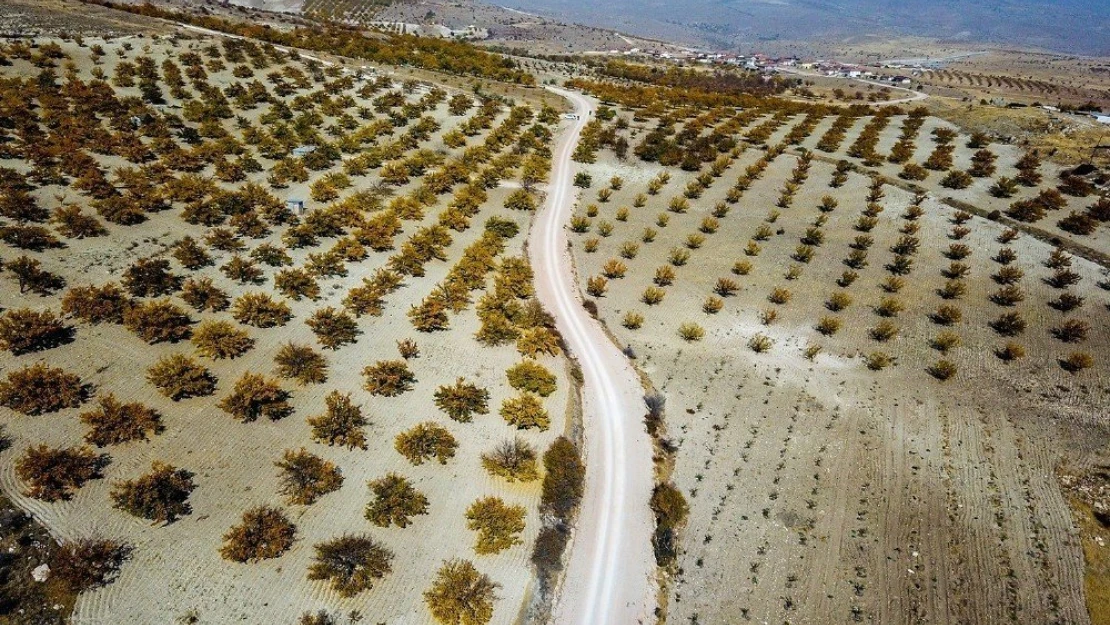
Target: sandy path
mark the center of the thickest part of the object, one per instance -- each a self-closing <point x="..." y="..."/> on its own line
<point x="609" y="576"/>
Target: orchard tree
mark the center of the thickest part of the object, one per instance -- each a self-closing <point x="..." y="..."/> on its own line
<point x="256" y="396"/>
<point x="461" y="595"/>
<point x="39" y="389"/>
<point x="179" y="377"/>
<point x="301" y="363"/>
<point x="352" y="563"/>
<point x="264" y="533"/>
<point x="306" y="477"/>
<point x="161" y="496"/>
<point x="24" y="330"/>
<point x="96" y="304"/>
<point x="53" y="474"/>
<point x="333" y="328"/>
<point x="395" y="501"/>
<point x="462" y="400"/>
<point x="498" y="525"/>
<point x="113" y="422"/>
<point x="158" y="321"/>
<point x="343" y="423"/>
<point x="426" y="441"/>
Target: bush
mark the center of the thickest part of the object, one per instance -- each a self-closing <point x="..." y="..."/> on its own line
<point x="242" y="270"/>
<point x="150" y="277"/>
<point x="191" y="254"/>
<point x="498" y="525"/>
<point x="653" y="295"/>
<point x="942" y="370"/>
<point x="425" y="441"/>
<point x="711" y="306"/>
<point x="221" y="339"/>
<point x="264" y="533"/>
<point x="1077" y="361"/>
<point x="160" y="496"/>
<point x="342" y="424"/>
<point x="32" y="277"/>
<point x="670" y="510"/>
<point x="306" y="477"/>
<point x="178" y="377"/>
<point x="87" y="563"/>
<point x="202" y="294"/>
<point x="1072" y="331"/>
<point x="38" y="389"/>
<point x="1010" y="351"/>
<point x="462" y="400"/>
<point x="514" y="460"/>
<point x="113" y="422"/>
<point x="96" y="304"/>
<point x="760" y="343"/>
<point x="877" y="361"/>
<point x="946" y="315"/>
<point x="532" y="377"/>
<point x="158" y="321"/>
<point x="24" y="330"/>
<point x="255" y="396"/>
<point x="828" y="325"/>
<point x="333" y="328"/>
<point x="301" y="363"/>
<point x="889" y="307"/>
<point x="537" y="341"/>
<point x="460" y="595"/>
<point x="53" y="474"/>
<point x="388" y="378"/>
<point x="297" y="283"/>
<point x="260" y="310"/>
<point x="633" y="320"/>
<point x="395" y="502"/>
<point x="564" y="479"/>
<point x="884" y="331"/>
<point x="1009" y="324"/>
<point x="525" y="411"/>
<point x="945" y="341"/>
<point x="780" y="295"/>
<point x="352" y="564"/>
<point x="956" y="180"/>
<point x="691" y="332"/>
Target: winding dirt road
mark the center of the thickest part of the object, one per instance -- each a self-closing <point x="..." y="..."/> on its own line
<point x="610" y="575"/>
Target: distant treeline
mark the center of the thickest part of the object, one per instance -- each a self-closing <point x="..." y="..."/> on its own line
<point x="445" y="55"/>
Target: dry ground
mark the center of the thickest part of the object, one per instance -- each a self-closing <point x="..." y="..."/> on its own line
<point x="822" y="491"/>
<point x="176" y="570"/>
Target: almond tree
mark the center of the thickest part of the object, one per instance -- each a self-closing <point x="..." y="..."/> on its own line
<point x="353" y="563"/>
<point x="395" y="501"/>
<point x="53" y="474"/>
<point x="160" y="496"/>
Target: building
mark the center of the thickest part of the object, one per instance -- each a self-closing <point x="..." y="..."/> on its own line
<point x="295" y="206"/>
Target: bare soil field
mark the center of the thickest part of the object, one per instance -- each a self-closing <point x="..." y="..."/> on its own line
<point x="405" y="223"/>
<point x="860" y="433"/>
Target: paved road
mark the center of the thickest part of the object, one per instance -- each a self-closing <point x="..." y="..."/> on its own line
<point x="610" y="573"/>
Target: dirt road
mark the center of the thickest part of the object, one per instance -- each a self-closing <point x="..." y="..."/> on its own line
<point x="609" y="577"/>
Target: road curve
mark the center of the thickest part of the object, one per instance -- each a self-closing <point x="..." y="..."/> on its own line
<point x="610" y="573"/>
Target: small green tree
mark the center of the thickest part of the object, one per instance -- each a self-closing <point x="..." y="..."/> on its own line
<point x="533" y="377"/>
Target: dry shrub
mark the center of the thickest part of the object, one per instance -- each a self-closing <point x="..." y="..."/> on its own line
<point x="264" y="533"/>
<point x="88" y="563"/>
<point x="40" y="389"/>
<point x="564" y="480"/>
<point x="388" y="378"/>
<point x="113" y="422"/>
<point x="942" y="370"/>
<point x="426" y="441"/>
<point x="96" y="304"/>
<point x="498" y="525"/>
<point x="691" y="332"/>
<point x="461" y="595"/>
<point x="306" y="477"/>
<point x="828" y="325"/>
<point x="202" y="294"/>
<point x="670" y="510"/>
<point x="1010" y="351"/>
<point x="514" y="460"/>
<point x="633" y="320"/>
<point x="24" y="330"/>
<point x="53" y="474"/>
<point x="301" y="363"/>
<point x="462" y="400"/>
<point x="261" y="311"/>
<point x="333" y="328"/>
<point x="150" y="277"/>
<point x="160" y="496"/>
<point x="178" y="377"/>
<point x="395" y="501"/>
<point x="158" y="321"/>
<point x="351" y="563"/>
<point x="1077" y="361"/>
<point x="525" y="411"/>
<point x="877" y="361"/>
<point x="255" y="396"/>
<point x="534" y="342"/>
<point x="342" y="424"/>
<point x="220" y="339"/>
<point x="531" y="377"/>
<point x="760" y="343"/>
